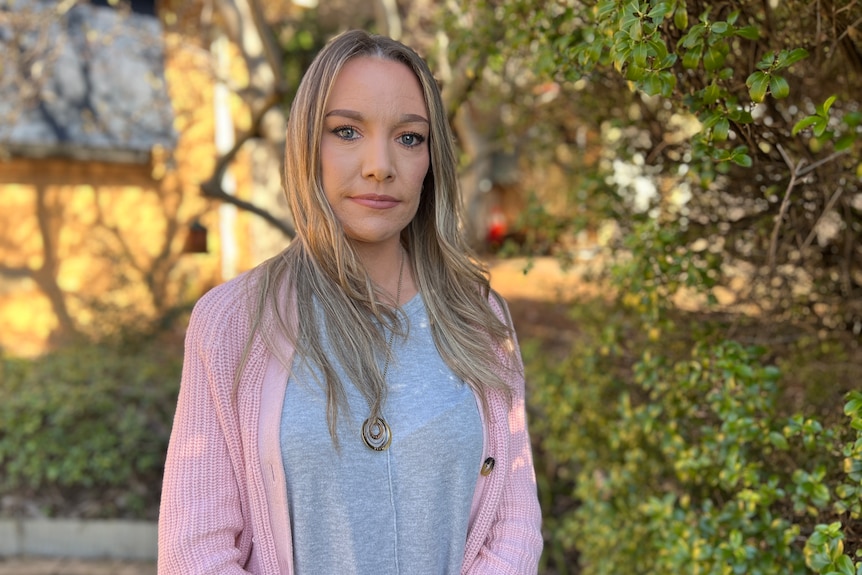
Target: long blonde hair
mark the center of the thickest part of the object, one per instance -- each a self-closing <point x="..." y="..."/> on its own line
<point x="321" y="264"/>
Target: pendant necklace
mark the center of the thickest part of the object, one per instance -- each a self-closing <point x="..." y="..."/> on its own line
<point x="377" y="434"/>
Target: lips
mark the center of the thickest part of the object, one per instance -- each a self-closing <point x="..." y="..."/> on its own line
<point x="375" y="201"/>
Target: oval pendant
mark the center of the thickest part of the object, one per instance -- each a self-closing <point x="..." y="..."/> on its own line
<point x="376" y="434"/>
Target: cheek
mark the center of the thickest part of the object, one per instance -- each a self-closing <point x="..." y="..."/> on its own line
<point x="420" y="173"/>
<point x="333" y="171"/>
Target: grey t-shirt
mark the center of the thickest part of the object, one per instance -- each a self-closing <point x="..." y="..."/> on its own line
<point x="400" y="511"/>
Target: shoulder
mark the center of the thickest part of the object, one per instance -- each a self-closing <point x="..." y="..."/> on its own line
<point x="500" y="307"/>
<point x="225" y="301"/>
<point x="223" y="314"/>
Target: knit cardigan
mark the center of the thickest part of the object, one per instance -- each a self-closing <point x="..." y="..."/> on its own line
<point x="224" y="495"/>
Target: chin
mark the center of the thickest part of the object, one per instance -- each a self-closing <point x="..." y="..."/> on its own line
<point x="371" y="238"/>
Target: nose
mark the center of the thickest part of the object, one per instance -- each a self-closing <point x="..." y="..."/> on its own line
<point x="377" y="161"/>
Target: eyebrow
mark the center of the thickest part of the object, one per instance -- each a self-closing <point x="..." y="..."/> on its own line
<point x="354" y="115"/>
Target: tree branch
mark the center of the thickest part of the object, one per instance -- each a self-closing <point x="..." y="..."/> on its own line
<point x="212" y="188"/>
<point x="782" y="211"/>
<point x="219" y="194"/>
<point x="796" y="171"/>
<point x="825" y="160"/>
<point x="825" y="211"/>
<point x="14" y="273"/>
<point x="271" y="49"/>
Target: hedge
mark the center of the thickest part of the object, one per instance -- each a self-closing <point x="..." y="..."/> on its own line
<point x="84" y="430"/>
<point x="670" y="456"/>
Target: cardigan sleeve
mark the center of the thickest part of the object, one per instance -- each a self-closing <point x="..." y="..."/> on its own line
<point x="201" y="523"/>
<point x="514" y="542"/>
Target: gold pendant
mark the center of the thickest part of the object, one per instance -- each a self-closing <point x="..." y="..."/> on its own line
<point x="376" y="434"/>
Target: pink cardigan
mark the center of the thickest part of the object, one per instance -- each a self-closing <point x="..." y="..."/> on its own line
<point x="224" y="497"/>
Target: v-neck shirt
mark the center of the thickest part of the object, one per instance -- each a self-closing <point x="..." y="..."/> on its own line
<point x="401" y="511"/>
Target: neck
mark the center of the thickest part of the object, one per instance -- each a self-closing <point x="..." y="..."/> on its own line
<point x="384" y="267"/>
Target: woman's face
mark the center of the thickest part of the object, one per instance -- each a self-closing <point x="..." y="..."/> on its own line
<point x="374" y="149"/>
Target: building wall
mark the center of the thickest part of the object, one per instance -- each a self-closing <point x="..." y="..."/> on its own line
<point x="93" y="247"/>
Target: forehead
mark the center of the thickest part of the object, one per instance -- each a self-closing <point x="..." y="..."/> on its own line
<point x="370" y="80"/>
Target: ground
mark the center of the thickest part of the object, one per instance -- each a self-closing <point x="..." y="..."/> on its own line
<point x="37" y="566"/>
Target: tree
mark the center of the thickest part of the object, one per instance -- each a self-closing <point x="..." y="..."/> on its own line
<point x="730" y="163"/>
<point x="747" y="116"/>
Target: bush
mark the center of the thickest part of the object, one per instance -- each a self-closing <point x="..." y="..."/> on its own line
<point x="666" y="456"/>
<point x="87" y="425"/>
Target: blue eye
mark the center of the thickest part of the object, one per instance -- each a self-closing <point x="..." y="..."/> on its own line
<point x="345" y="132"/>
<point x="411" y="140"/>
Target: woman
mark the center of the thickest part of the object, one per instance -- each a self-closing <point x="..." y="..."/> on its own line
<point x="356" y="404"/>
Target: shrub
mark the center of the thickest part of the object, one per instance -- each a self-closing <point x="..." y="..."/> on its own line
<point x="666" y="456"/>
<point x="88" y="421"/>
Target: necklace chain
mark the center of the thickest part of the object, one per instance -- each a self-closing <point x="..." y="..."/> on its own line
<point x="377" y="434"/>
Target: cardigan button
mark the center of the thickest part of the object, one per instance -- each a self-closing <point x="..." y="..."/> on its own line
<point x="487" y="467"/>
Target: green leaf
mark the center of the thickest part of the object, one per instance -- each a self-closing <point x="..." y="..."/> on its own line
<point x="691" y="58"/>
<point x="817" y="539"/>
<point x="667" y="61"/>
<point x="733" y="17"/>
<point x="758" y="83"/>
<point x="680" y="17"/>
<point x="819" y="494"/>
<point x="743" y="160"/>
<point x="820" y="125"/>
<point x="660" y="10"/>
<point x="778" y="440"/>
<point x="779" y="87"/>
<point x="659" y="49"/>
<point x="845" y="491"/>
<point x="694" y="36"/>
<point x="719" y="28"/>
<point x="668" y="83"/>
<point x="635" y="73"/>
<point x="766" y="62"/>
<point x="719" y="132"/>
<point x="594" y="53"/>
<point x="823" y="109"/>
<point x="818" y="561"/>
<point x="748" y="32"/>
<point x="710" y="119"/>
<point x="740" y="116"/>
<point x="845" y="565"/>
<point x="639" y="54"/>
<point x="711" y="93"/>
<point x="803" y="123"/>
<point x="788" y="58"/>
<point x="604" y="8"/>
<point x="636" y="30"/>
<point x="714" y="58"/>
<point x="652" y="84"/>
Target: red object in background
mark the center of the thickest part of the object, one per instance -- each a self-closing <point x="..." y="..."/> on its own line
<point x="498" y="227"/>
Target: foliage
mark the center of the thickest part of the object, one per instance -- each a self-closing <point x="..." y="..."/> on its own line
<point x="825" y="549"/>
<point x="678" y="456"/>
<point x="729" y="142"/>
<point x="88" y="419"/>
<point x="745" y="117"/>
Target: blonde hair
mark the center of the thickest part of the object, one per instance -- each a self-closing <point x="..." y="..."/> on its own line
<point x="321" y="264"/>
